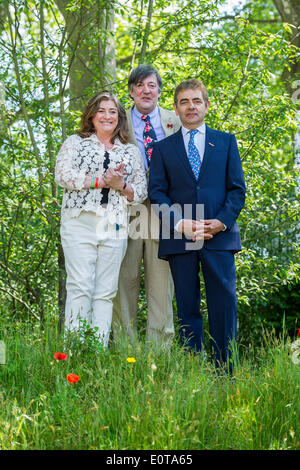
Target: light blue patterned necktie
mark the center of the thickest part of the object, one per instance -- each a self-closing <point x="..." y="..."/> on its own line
<point x="193" y="154"/>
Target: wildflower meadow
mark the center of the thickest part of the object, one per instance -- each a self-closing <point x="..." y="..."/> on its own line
<point x="137" y="396"/>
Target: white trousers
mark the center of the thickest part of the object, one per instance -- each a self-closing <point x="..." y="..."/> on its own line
<point x="93" y="256"/>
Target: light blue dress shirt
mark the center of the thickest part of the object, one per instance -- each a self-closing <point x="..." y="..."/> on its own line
<point x="139" y="125"/>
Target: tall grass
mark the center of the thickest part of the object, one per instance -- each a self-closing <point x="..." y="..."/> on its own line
<point x="167" y="399"/>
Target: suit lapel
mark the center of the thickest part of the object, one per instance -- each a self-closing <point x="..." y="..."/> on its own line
<point x="208" y="150"/>
<point x="182" y="155"/>
<point x="179" y="147"/>
<point x="167" y="121"/>
<point x="132" y="137"/>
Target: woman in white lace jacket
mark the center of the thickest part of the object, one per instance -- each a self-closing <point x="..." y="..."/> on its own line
<point x="101" y="174"/>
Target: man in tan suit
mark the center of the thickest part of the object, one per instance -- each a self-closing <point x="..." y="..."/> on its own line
<point x="147" y="122"/>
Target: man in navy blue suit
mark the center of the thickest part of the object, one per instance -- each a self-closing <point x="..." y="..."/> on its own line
<point x="197" y="186"/>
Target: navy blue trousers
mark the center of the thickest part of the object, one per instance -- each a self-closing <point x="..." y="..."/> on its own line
<point x="218" y="269"/>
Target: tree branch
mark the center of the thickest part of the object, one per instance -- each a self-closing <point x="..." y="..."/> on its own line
<point x="146" y="31"/>
<point x="18" y="299"/>
<point x="20" y="88"/>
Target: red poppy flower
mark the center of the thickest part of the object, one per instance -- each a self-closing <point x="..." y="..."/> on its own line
<point x="60" y="356"/>
<point x="298" y="334"/>
<point x="72" y="378"/>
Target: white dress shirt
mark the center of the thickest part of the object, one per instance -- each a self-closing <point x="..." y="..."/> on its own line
<point x="199" y="140"/>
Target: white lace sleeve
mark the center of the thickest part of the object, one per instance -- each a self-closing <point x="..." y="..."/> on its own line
<point x="138" y="180"/>
<point x="65" y="174"/>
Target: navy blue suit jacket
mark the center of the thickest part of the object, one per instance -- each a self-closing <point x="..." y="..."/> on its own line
<point x="220" y="188"/>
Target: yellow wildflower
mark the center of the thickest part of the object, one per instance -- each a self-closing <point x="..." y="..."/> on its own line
<point x="131" y="359"/>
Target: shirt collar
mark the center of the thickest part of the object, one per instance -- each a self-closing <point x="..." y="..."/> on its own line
<point x="201" y="129"/>
<point x="153" y="114"/>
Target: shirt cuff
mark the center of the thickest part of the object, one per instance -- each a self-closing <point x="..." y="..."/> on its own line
<point x="177" y="225"/>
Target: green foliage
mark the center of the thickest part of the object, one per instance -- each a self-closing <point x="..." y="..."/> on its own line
<point x="241" y="62"/>
<point x="167" y="401"/>
<point x="279" y="308"/>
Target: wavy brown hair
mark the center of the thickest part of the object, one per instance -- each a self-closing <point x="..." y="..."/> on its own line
<point x="87" y="127"/>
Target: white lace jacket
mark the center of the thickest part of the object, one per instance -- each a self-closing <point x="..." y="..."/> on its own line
<point x="79" y="158"/>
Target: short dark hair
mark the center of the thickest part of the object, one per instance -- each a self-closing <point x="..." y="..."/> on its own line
<point x="192" y="83"/>
<point x="91" y="109"/>
<point x="140" y="73"/>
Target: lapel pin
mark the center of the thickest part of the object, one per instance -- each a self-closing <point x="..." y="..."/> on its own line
<point x="209" y="143"/>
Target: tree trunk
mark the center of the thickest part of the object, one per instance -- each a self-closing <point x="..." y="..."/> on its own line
<point x="289" y="11"/>
<point x="2" y="110"/>
<point x="92" y="63"/>
<point x="3" y="10"/>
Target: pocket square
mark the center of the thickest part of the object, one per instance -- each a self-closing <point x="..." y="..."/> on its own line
<point x="209" y="143"/>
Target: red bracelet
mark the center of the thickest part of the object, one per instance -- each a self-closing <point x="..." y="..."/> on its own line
<point x="97" y="183"/>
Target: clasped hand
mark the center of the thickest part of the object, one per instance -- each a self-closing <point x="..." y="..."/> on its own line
<point x="201" y="229"/>
<point x="113" y="177"/>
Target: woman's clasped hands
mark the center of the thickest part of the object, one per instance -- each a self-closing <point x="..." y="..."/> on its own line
<point x="114" y="177"/>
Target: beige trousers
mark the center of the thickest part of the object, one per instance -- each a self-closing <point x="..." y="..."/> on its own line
<point x="158" y="284"/>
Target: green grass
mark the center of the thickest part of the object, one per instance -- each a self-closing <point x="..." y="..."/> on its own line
<point x="165" y="400"/>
